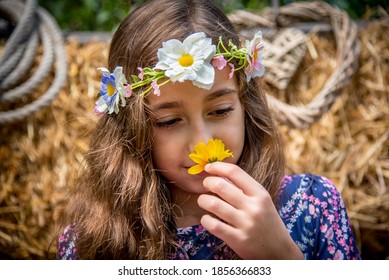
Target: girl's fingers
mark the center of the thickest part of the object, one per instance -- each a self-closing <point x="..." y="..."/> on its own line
<point x="225" y="189"/>
<point x="221" y="230"/>
<point x="223" y="210"/>
<point x="236" y="175"/>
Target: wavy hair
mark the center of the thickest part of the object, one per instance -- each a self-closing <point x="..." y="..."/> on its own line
<point x="121" y="206"/>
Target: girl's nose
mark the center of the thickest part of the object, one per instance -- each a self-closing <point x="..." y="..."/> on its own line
<point x="200" y="132"/>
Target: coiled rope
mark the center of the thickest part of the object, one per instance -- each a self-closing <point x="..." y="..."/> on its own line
<point x="34" y="24"/>
<point x="348" y="47"/>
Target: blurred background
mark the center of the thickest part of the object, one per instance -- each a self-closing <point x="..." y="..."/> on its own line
<point x="327" y="66"/>
<point x="104" y="15"/>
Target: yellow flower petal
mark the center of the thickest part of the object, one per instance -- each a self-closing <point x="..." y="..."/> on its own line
<point x="219" y="146"/>
<point x="196" y="169"/>
<point x="212" y="150"/>
<point x="196" y="158"/>
<point x="201" y="149"/>
<point x="207" y="153"/>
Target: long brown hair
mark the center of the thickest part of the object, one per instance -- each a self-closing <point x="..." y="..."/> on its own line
<point x="121" y="206"/>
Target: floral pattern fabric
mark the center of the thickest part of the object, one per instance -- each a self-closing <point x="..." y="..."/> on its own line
<point x="311" y="208"/>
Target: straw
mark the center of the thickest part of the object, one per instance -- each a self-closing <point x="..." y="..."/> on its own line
<point x="40" y="158"/>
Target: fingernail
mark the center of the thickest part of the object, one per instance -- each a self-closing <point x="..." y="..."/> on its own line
<point x="207" y="166"/>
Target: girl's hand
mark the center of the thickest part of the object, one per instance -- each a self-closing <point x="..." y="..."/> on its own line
<point x="246" y="218"/>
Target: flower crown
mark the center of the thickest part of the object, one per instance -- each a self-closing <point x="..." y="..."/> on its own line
<point x="193" y="59"/>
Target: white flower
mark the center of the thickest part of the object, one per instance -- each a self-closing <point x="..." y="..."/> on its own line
<point x="188" y="60"/>
<point x="254" y="57"/>
<point x="114" y="89"/>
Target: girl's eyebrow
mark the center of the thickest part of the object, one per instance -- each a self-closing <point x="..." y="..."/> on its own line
<point x="168" y="105"/>
<point x="221" y="92"/>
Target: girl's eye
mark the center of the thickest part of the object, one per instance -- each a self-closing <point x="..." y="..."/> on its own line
<point x="221" y="112"/>
<point x="167" y="124"/>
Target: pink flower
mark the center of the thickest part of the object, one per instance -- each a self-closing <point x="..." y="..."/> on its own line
<point x="199" y="229"/>
<point x="329" y="234"/>
<point x="127" y="87"/>
<point x="331" y="249"/>
<point x="155" y="86"/>
<point x="232" y="70"/>
<point x="339" y="232"/>
<point x="342" y="242"/>
<point x="338" y="255"/>
<point x="140" y="75"/>
<point x="219" y="62"/>
<point x="311" y="209"/>
<point x="254" y="58"/>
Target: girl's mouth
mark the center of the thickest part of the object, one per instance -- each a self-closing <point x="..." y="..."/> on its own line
<point x="201" y="175"/>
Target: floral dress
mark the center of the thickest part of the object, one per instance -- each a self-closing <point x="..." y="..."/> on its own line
<point x="309" y="205"/>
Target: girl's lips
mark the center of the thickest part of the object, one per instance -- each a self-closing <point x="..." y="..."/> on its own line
<point x="202" y="174"/>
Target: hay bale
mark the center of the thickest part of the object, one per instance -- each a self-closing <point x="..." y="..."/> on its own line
<point x="350" y="143"/>
<point x="40" y="157"/>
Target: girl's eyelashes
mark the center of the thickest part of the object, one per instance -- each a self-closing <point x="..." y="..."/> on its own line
<point x="168" y="123"/>
<point x="219" y="113"/>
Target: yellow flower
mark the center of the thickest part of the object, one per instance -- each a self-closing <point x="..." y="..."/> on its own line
<point x="204" y="154"/>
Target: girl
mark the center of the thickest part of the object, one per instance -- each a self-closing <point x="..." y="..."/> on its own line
<point x="180" y="77"/>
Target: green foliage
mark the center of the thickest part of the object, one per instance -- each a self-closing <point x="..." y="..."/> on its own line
<point x="232" y="5"/>
<point x="357" y="8"/>
<point x="103" y="15"/>
<point x="87" y="14"/>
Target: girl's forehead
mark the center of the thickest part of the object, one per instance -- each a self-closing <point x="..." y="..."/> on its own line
<point x="179" y="92"/>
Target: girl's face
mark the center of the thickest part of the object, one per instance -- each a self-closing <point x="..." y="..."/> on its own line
<point x="185" y="115"/>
